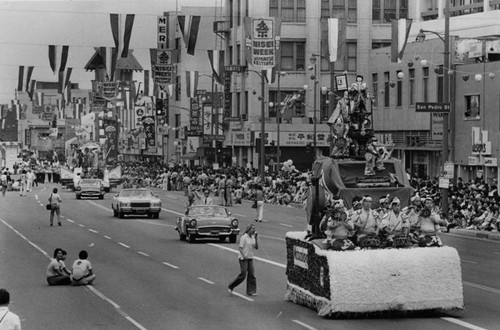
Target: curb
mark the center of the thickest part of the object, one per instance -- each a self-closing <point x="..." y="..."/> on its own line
<point x="476" y="234"/>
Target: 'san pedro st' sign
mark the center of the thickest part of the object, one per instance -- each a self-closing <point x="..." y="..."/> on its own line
<point x="432" y="107"/>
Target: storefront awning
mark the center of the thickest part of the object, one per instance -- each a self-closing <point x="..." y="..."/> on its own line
<point x="190" y="156"/>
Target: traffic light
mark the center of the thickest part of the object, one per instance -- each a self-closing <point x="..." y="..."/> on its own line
<point x="218" y="147"/>
<point x="160" y="107"/>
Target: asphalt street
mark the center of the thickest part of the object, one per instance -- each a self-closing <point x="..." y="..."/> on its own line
<point x="148" y="279"/>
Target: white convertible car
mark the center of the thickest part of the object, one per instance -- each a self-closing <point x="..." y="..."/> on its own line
<point x="136" y="201"/>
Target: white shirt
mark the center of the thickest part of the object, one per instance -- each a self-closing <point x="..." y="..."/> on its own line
<point x="246" y="244"/>
<point x="11" y="321"/>
<point x="81" y="268"/>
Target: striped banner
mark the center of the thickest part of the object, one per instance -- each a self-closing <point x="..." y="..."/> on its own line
<point x="58" y="57"/>
<point x="191" y="83"/>
<point x="24" y="78"/>
<point x="216" y="58"/>
<point x="189" y="26"/>
<point x="400" y="31"/>
<point x="121" y="28"/>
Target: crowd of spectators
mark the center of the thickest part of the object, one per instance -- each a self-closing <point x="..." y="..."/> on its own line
<point x="473" y="205"/>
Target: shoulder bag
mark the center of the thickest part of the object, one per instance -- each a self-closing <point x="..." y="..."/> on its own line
<point x="49" y="204"/>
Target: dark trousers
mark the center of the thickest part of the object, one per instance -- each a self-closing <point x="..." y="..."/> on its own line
<point x="246" y="266"/>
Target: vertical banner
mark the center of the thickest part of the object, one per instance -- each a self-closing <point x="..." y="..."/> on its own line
<point x="111" y="134"/>
<point x="195" y="116"/>
<point x="262" y="41"/>
<point x="162" y="33"/>
<point x="149" y="129"/>
<point x="227" y="96"/>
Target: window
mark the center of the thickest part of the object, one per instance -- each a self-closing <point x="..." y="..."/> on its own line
<point x="231" y="21"/>
<point x="472" y="106"/>
<point x="440" y="82"/>
<point x="387" y="90"/>
<point x="411" y="87"/>
<point x="288" y="10"/>
<point x="245" y="110"/>
<point x="177" y="119"/>
<point x="238" y="54"/>
<point x="238" y="13"/>
<point x="375" y="90"/>
<point x="425" y="84"/>
<point x="339" y="9"/>
<point x="385" y="10"/>
<point x="351" y="57"/>
<point x="231" y="55"/>
<point x="178" y="88"/>
<point x="293" y="56"/>
<point x="238" y="105"/>
<point x="399" y="91"/>
<point x="380" y="44"/>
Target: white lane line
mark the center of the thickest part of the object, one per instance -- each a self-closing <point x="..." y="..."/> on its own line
<point x="285" y="225"/>
<point x="171" y="196"/>
<point x="170" y="265"/>
<point x="256" y="258"/>
<point x="497" y="253"/>
<point x="307" y="326"/>
<point x="468" y="261"/>
<point x="100" y="206"/>
<point x="240" y="215"/>
<point x="462" y="323"/>
<point x="83" y="226"/>
<point x="156" y="223"/>
<point x="241" y="296"/>
<point x="171" y="211"/>
<point x="69" y="220"/>
<point x="105" y="236"/>
<point x="143" y="253"/>
<point x="482" y="287"/>
<point x="94" y="231"/>
<point x="205" y="280"/>
<point x="124" y="245"/>
<point x="89" y="287"/>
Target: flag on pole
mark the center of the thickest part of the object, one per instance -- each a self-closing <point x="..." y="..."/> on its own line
<point x="191" y="83"/>
<point x="271" y="75"/>
<point x="24" y="79"/>
<point x="189" y="26"/>
<point x="121" y="28"/>
<point x="58" y="57"/>
<point x="336" y="39"/>
<point x="216" y="58"/>
<point x="170" y="90"/>
<point x="400" y="31"/>
<point x="64" y="78"/>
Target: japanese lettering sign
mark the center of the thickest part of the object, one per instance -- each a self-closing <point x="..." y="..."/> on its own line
<point x="262" y="41"/>
<point x="148" y="123"/>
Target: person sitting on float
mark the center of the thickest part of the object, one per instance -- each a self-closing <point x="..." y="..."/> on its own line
<point x="366" y="221"/>
<point x="338" y="229"/>
<point x="427" y="223"/>
<point x="395" y="224"/>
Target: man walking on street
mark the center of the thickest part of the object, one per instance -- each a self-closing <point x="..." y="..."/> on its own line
<point x="248" y="242"/>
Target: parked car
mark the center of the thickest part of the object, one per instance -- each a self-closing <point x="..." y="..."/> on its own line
<point x="207" y="221"/>
<point x="89" y="188"/>
<point x="136" y="201"/>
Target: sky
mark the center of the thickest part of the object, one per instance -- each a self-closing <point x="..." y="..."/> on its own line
<point x="28" y="27"/>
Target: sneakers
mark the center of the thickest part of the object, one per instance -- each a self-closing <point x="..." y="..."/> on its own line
<point x="230" y="290"/>
<point x="59" y="224"/>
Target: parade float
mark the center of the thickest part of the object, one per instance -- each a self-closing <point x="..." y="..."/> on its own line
<point x="364" y="280"/>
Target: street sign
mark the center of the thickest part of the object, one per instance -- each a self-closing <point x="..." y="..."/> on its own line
<point x="432" y="107"/>
<point x="449" y="170"/>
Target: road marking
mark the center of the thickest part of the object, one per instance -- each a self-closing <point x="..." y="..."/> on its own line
<point x="497" y="253"/>
<point x="105" y="236"/>
<point x="83" y="226"/>
<point x="240" y="215"/>
<point x="94" y="231"/>
<point x="205" y="280"/>
<point x="285" y="225"/>
<point x="70" y="220"/>
<point x="256" y="258"/>
<point x="143" y="253"/>
<point x="156" y="223"/>
<point x="482" y="287"/>
<point x="100" y="206"/>
<point x="174" y="212"/>
<point x="88" y="287"/>
<point x="468" y="261"/>
<point x="124" y="245"/>
<point x="170" y="265"/>
<point x="304" y="325"/>
<point x="462" y="323"/>
<point x="241" y="296"/>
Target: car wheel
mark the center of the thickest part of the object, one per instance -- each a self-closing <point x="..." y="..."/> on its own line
<point x="191" y="238"/>
<point x="78" y="197"/>
<point x="115" y="213"/>
<point x="232" y="239"/>
<point x="222" y="239"/>
<point x="156" y="215"/>
<point x="182" y="237"/>
<point x="121" y="215"/>
<point x="101" y="197"/>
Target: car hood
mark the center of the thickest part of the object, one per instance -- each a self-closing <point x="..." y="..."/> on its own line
<point x="138" y="199"/>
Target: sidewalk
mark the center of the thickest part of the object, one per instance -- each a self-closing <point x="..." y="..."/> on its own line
<point x="476" y="233"/>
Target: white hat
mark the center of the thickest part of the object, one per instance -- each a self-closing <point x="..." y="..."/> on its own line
<point x="395" y="200"/>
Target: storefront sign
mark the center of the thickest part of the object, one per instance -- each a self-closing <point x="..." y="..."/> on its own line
<point x="480" y="142"/>
<point x="241" y="138"/>
<point x="472" y="161"/>
<point x="437" y="121"/>
<point x="490" y="162"/>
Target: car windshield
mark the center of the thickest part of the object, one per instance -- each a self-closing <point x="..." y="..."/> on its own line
<point x="90" y="182"/>
<point x="136" y="193"/>
<point x="214" y="211"/>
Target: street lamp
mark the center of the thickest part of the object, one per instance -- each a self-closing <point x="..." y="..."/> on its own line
<point x="279" y="106"/>
<point x="446" y="90"/>
<point x="315" y="79"/>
